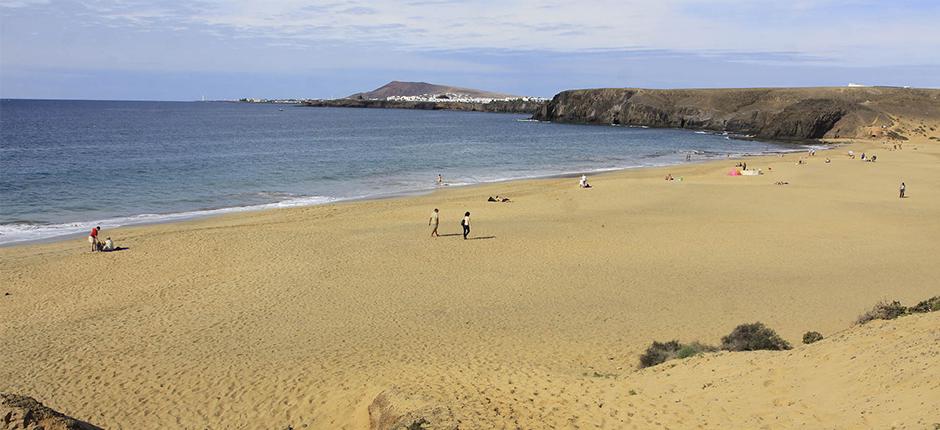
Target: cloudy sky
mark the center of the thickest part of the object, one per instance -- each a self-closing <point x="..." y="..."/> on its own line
<point x="183" y="50"/>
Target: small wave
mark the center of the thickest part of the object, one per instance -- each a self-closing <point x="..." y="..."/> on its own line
<point x="27" y="231"/>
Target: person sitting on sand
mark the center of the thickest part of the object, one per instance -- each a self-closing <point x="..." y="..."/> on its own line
<point x="434" y="222"/>
<point x="873" y="158"/>
<point x="828" y="160"/>
<point x="108" y="245"/>
<point x="669" y="177"/>
<point x="583" y="183"/>
<point x="863" y="156"/>
<point x="852" y="154"/>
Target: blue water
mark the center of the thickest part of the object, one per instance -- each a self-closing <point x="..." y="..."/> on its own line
<point x="68" y="165"/>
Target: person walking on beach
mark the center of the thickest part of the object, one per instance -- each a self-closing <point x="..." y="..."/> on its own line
<point x="901" y="190"/>
<point x="466" y="225"/>
<point x="434" y="221"/>
<point x="93" y="238"/>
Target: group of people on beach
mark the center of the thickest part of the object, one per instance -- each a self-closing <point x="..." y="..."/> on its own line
<point x="435" y="221"/>
<point x="98" y="246"/>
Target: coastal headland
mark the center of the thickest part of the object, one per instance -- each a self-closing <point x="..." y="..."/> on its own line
<point x="349" y="316"/>
<point x="764" y="113"/>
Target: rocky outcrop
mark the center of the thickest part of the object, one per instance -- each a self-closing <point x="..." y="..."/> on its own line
<point x="769" y="113"/>
<point x="25" y="413"/>
<point x="513" y="106"/>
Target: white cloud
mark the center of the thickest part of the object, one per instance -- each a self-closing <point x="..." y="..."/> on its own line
<point x="22" y="3"/>
<point x="850" y="32"/>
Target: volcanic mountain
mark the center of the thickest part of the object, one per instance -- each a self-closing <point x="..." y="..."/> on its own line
<point x="399" y="88"/>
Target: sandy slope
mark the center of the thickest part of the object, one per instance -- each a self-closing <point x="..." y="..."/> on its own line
<point x="303" y="316"/>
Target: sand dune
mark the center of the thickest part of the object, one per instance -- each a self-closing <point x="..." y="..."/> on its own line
<point x="304" y="316"/>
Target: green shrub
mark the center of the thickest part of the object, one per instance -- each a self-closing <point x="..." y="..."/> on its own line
<point x="660" y="352"/>
<point x="694" y="348"/>
<point x="883" y="311"/>
<point x="930" y="305"/>
<point x="811" y="337"/>
<point x="753" y="337"/>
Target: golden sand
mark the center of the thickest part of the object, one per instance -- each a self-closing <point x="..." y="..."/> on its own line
<point x="303" y="316"/>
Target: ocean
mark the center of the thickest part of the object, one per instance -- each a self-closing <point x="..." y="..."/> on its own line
<point x="66" y="166"/>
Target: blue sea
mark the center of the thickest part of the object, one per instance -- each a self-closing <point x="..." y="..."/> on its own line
<point x="66" y="166"/>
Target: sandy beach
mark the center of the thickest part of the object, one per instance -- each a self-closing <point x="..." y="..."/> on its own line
<point x="303" y="317"/>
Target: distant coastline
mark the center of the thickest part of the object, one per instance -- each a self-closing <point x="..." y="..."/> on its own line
<point x="520" y="106"/>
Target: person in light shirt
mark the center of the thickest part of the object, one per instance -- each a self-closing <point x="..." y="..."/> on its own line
<point x="466" y="225"/>
<point x="434" y="222"/>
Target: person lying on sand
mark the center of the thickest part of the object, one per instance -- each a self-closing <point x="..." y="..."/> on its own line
<point x="781" y="183"/>
<point x="498" y="199"/>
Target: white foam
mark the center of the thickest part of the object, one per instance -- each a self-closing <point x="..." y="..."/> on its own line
<point x="25" y="232"/>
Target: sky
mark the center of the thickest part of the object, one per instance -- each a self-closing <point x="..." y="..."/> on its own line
<point x="186" y="50"/>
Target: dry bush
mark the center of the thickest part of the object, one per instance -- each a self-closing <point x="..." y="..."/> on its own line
<point x="660" y="352"/>
<point x="883" y="311"/>
<point x="753" y="337"/>
<point x="930" y="305"/>
<point x="811" y="337"/>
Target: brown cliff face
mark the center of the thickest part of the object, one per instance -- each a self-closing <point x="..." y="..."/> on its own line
<point x="770" y="113"/>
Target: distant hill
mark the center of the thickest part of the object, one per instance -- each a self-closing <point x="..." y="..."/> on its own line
<point x="398" y="88"/>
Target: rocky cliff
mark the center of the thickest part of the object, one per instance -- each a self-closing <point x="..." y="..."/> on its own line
<point x="767" y="113"/>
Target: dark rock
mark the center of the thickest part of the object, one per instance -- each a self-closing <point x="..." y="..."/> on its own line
<point x="25" y="413"/>
<point x="777" y="113"/>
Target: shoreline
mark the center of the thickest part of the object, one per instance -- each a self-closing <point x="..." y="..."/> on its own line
<point x="309" y="315"/>
<point x="201" y="214"/>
